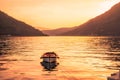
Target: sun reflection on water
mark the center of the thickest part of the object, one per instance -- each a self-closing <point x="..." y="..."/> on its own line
<point x="81" y="58"/>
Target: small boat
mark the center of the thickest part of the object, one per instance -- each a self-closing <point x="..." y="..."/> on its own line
<point x="49" y="60"/>
<point x="49" y="57"/>
<point x="49" y="66"/>
<point x="114" y="76"/>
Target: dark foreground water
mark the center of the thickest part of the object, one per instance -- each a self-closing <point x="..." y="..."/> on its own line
<point x="81" y="58"/>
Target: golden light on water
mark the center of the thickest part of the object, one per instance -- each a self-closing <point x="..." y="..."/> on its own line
<point x="81" y="58"/>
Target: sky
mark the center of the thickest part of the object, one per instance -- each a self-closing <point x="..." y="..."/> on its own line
<point x="52" y="14"/>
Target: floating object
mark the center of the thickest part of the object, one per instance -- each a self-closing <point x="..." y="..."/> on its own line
<point x="49" y="57"/>
<point x="49" y="60"/>
<point x="49" y="65"/>
<point x="114" y="76"/>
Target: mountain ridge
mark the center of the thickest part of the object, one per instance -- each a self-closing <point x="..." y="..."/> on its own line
<point x="14" y="27"/>
<point x="106" y="24"/>
<point x="57" y="31"/>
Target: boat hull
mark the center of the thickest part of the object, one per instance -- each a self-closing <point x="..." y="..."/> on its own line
<point x="47" y="59"/>
<point x="49" y="65"/>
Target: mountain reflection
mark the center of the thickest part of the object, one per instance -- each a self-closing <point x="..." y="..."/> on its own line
<point x="114" y="49"/>
<point x="107" y="49"/>
<point x="114" y="44"/>
<point x="4" y="45"/>
<point x="13" y="45"/>
<point x="112" y="52"/>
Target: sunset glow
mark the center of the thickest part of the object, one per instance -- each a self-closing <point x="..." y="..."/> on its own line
<point x="55" y="13"/>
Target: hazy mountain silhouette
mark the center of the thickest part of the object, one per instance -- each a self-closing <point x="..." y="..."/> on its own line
<point x="43" y="28"/>
<point x="58" y="31"/>
<point x="11" y="26"/>
<point x="107" y="24"/>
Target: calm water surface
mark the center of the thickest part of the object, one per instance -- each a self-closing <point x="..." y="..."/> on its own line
<point x="81" y="58"/>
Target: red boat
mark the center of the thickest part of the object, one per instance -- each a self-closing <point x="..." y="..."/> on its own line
<point x="49" y="60"/>
<point x="49" y="57"/>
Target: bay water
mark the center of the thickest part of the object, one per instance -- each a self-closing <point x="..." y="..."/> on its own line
<point x="81" y="58"/>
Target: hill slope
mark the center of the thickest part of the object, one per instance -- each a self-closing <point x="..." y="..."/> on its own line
<point x="107" y="24"/>
<point x="58" y="31"/>
<point x="11" y="26"/>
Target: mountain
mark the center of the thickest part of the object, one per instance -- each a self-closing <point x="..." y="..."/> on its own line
<point x="13" y="27"/>
<point x="106" y="24"/>
<point x="42" y="28"/>
<point x="58" y="31"/>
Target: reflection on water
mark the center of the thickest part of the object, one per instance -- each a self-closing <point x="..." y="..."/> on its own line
<point x="81" y="58"/>
<point x="50" y="66"/>
<point x="114" y="45"/>
<point x="4" y="45"/>
<point x="112" y="51"/>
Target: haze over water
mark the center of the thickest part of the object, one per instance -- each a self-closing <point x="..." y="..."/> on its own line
<point x="81" y="58"/>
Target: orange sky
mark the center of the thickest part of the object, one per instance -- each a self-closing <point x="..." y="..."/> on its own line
<point x="55" y="13"/>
